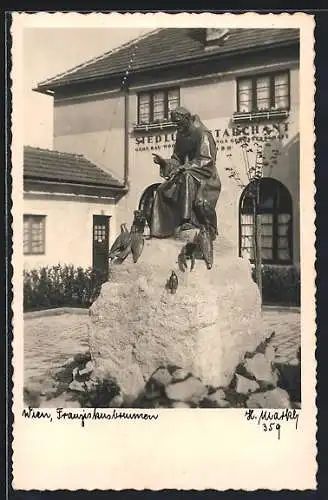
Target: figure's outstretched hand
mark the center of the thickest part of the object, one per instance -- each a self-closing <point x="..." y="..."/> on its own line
<point x="158" y="159"/>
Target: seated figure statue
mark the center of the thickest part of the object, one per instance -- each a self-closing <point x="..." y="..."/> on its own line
<point x="188" y="196"/>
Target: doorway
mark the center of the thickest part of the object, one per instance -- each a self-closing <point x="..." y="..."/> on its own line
<point x="100" y="243"/>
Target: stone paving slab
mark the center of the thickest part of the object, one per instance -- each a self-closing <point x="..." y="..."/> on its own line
<point x="51" y="340"/>
<point x="287" y="327"/>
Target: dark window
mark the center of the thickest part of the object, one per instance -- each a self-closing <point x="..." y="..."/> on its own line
<point x="34" y="234"/>
<point x="276" y="228"/>
<point x="155" y="106"/>
<point x="263" y="93"/>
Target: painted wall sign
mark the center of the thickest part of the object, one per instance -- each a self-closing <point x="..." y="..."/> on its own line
<point x="224" y="137"/>
<point x="155" y="142"/>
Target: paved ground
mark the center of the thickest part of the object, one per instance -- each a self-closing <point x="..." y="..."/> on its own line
<point x="287" y="326"/>
<point x="51" y="340"/>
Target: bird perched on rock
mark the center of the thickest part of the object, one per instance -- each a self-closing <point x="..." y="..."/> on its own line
<point x="172" y="283"/>
<point x="137" y="243"/>
<point x="121" y="246"/>
<point x="206" y="216"/>
<point x="188" y="252"/>
<point x="136" y="233"/>
<point x="139" y="221"/>
<point x="206" y="246"/>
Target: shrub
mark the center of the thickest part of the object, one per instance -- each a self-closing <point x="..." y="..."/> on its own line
<point x="59" y="286"/>
<point x="281" y="285"/>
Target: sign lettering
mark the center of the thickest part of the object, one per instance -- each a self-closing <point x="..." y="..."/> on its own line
<point x="224" y="137"/>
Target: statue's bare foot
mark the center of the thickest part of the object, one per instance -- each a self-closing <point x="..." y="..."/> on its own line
<point x="187" y="226"/>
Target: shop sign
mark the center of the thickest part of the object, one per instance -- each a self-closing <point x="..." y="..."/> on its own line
<point x="224" y="137"/>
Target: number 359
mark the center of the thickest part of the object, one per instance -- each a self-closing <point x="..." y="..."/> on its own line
<point x="272" y="427"/>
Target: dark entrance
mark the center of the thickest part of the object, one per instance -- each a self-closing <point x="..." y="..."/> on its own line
<point x="100" y="243"/>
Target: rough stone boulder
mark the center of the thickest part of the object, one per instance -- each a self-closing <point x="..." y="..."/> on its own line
<point x="275" y="399"/>
<point x="214" y="318"/>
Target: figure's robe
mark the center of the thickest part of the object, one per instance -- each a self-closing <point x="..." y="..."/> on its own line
<point x="175" y="198"/>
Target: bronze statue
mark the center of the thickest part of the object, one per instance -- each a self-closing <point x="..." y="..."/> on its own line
<point x="186" y="199"/>
<point x="192" y="185"/>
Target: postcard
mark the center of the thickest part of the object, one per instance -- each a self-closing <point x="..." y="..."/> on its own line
<point x="164" y="326"/>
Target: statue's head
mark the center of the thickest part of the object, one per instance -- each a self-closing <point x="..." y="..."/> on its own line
<point x="182" y="117"/>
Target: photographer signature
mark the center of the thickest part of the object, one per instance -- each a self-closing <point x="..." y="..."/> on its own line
<point x="271" y="420"/>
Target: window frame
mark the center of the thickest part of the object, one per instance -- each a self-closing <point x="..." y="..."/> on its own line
<point x="151" y="93"/>
<point x="254" y="79"/>
<point x="275" y="212"/>
<point x="30" y="220"/>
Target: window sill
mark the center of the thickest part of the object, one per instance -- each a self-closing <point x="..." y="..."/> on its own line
<point x="154" y="126"/>
<point x="274" y="263"/>
<point x="274" y="114"/>
<point x="35" y="253"/>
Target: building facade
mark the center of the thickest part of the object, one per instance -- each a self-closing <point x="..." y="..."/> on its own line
<point x="243" y="84"/>
<point x="69" y="210"/>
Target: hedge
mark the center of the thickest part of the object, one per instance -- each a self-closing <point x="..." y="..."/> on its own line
<point x="61" y="286"/>
<point x="281" y="285"/>
<point x="69" y="286"/>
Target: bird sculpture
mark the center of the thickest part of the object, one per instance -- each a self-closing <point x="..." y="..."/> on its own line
<point x="136" y="233"/>
<point x="137" y="243"/>
<point x="188" y="252"/>
<point x="172" y="283"/>
<point x="139" y="221"/>
<point x="121" y="246"/>
<point x="206" y="217"/>
<point x="206" y="246"/>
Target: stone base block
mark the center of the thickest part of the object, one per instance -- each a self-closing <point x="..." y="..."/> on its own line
<point x="206" y="327"/>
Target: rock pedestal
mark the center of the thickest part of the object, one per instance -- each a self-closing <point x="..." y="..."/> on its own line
<point x="206" y="327"/>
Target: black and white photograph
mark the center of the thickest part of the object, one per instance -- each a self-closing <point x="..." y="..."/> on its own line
<point x="161" y="216"/>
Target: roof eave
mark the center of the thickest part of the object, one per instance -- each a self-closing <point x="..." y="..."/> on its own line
<point x="46" y="91"/>
<point x="49" y="181"/>
<point x="208" y="56"/>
